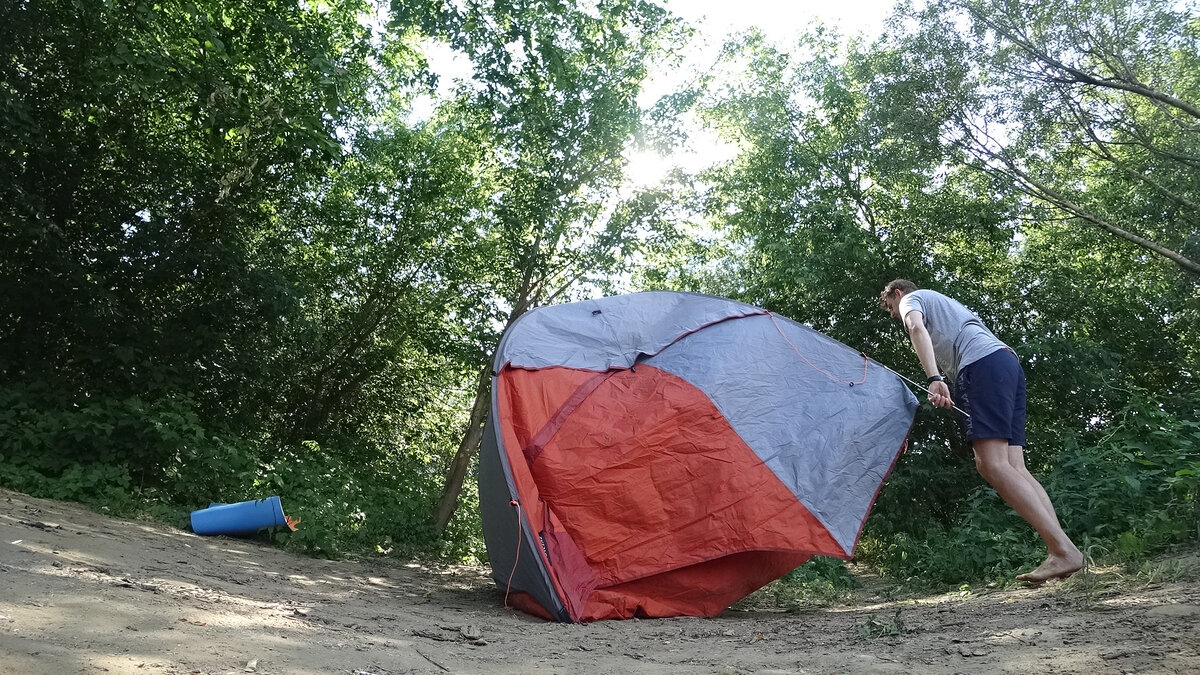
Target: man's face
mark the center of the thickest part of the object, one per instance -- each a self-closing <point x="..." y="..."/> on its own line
<point x="892" y="304"/>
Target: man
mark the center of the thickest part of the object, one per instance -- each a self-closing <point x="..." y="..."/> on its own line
<point x="990" y="385"/>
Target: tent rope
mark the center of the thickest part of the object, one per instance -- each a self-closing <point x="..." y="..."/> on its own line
<point x="516" y="558"/>
<point x="866" y="359"/>
<point x="814" y="366"/>
<point x="916" y="384"/>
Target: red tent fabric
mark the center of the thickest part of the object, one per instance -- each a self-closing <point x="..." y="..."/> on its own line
<point x="665" y="486"/>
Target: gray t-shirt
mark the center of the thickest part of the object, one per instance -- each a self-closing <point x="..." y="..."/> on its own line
<point x="959" y="337"/>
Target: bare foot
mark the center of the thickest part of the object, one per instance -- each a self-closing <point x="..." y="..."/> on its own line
<point x="1055" y="567"/>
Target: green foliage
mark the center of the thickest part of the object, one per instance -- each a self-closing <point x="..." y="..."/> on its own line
<point x="551" y="108"/>
<point x="92" y="447"/>
<point x="1134" y="491"/>
<point x="95" y="484"/>
<point x="1082" y="105"/>
<point x="339" y="510"/>
<point x="181" y="273"/>
<point x="822" y="571"/>
<point x="381" y="507"/>
<point x="938" y="154"/>
<point x="1127" y="496"/>
<point x="871" y="628"/>
<point x="987" y="543"/>
<point x="232" y="266"/>
<point x="819" y="582"/>
<point x="382" y="504"/>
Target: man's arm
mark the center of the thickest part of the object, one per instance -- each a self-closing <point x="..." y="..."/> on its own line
<point x="914" y="321"/>
<point x="939" y="391"/>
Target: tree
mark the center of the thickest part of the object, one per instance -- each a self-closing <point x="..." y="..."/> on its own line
<point x="860" y="163"/>
<point x="553" y="103"/>
<point x="1110" y="88"/>
<point x="840" y="186"/>
<point x="146" y="152"/>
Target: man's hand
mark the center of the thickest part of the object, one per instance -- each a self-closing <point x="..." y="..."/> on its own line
<point x="939" y="395"/>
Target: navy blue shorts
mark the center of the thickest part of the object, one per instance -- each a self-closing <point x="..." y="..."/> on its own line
<point x="992" y="391"/>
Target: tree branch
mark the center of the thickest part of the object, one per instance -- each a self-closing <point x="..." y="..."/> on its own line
<point x="1101" y="151"/>
<point x="1035" y="188"/>
<point x="1074" y="75"/>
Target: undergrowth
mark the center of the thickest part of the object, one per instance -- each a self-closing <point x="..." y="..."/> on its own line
<point x="819" y="582"/>
<point x="1126" y="493"/>
<point x="103" y="453"/>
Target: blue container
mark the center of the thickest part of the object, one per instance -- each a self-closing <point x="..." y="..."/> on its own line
<point x="243" y="518"/>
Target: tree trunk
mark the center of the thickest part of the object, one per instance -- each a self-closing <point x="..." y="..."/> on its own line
<point x="467" y="449"/>
<point x="529" y="295"/>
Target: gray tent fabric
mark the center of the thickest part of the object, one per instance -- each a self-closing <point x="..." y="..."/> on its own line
<point x="508" y="537"/>
<point x="836" y="487"/>
<point x="611" y="332"/>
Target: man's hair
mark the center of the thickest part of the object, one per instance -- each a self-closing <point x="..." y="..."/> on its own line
<point x="894" y="285"/>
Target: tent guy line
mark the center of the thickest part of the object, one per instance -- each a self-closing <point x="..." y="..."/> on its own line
<point x="919" y="386"/>
<point x="813" y="365"/>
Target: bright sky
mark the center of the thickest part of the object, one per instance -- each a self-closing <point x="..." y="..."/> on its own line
<point x="781" y="21"/>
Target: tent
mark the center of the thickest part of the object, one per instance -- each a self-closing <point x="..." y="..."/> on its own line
<point x="663" y="454"/>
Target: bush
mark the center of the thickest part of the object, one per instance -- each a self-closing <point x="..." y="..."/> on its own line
<point x="1134" y="491"/>
<point x="1126" y="495"/>
<point x="134" y="457"/>
<point x="818" y="582"/>
<point x="379" y="507"/>
<point x="124" y="453"/>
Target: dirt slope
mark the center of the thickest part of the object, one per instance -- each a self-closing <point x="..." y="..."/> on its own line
<point x="84" y="593"/>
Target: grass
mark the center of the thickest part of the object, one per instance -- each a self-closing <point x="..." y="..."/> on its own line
<point x="1092" y="586"/>
<point x="834" y="583"/>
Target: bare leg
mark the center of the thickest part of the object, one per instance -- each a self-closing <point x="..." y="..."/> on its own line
<point x="1021" y="491"/>
<point x="1016" y="458"/>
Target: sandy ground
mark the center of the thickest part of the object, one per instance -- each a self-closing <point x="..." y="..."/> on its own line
<point x="84" y="593"/>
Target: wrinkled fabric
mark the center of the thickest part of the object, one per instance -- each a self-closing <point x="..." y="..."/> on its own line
<point x="670" y="453"/>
